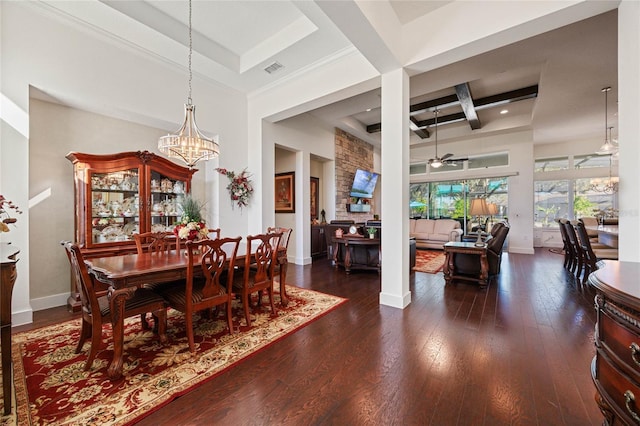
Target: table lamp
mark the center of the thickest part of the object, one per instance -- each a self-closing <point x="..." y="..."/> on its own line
<point x="479" y="208"/>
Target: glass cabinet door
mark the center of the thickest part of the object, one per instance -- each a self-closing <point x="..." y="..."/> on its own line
<point x="115" y="206"/>
<point x="166" y="200"/>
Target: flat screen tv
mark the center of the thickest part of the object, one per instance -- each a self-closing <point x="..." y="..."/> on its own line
<point x="364" y="183"/>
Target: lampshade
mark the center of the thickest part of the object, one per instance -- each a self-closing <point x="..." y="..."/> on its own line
<point x="493" y="209"/>
<point x="479" y="207"/>
<point x="188" y="143"/>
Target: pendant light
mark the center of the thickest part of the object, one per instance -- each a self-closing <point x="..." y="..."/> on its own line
<point x="188" y="143"/>
<point x="607" y="147"/>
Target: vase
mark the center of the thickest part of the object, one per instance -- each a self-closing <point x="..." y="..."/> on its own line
<point x="371" y="236"/>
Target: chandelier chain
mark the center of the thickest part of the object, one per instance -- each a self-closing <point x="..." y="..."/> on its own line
<point x="189" y="101"/>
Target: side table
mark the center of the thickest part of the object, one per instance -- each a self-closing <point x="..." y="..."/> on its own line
<point x="8" y="277"/>
<point x="453" y="248"/>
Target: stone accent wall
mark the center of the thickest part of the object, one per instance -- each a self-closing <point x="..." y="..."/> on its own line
<point x="351" y="154"/>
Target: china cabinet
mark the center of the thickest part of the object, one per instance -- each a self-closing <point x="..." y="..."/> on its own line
<point x="118" y="195"/>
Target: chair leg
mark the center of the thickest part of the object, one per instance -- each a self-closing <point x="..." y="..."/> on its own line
<point x="229" y="317"/>
<point x="245" y="303"/>
<point x="160" y="324"/>
<point x="85" y="332"/>
<point x="96" y="339"/>
<point x="273" y="308"/>
<point x="144" y="322"/>
<point x="188" y="316"/>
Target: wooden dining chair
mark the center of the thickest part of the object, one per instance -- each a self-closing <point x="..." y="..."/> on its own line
<point x="213" y="289"/>
<point x="592" y="256"/>
<point x="162" y="243"/>
<point x="282" y="262"/>
<point x="258" y="270"/>
<point x="214" y="233"/>
<point x="97" y="311"/>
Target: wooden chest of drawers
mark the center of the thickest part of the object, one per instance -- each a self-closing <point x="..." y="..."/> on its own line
<point x="616" y="367"/>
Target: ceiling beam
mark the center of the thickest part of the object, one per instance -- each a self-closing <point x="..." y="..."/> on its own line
<point x="445" y="101"/>
<point x="413" y="125"/>
<point x="466" y="102"/>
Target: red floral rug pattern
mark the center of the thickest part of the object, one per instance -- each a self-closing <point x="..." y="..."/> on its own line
<point x="429" y="261"/>
<point x="52" y="387"/>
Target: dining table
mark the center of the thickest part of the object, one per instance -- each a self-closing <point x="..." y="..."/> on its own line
<point x="127" y="272"/>
<point x="607" y="234"/>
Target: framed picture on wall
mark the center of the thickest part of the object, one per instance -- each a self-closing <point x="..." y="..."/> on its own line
<point x="285" y="192"/>
<point x="315" y="196"/>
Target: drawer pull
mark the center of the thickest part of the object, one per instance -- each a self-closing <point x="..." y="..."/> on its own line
<point x="635" y="353"/>
<point x="629" y="400"/>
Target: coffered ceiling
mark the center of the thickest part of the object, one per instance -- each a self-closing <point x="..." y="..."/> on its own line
<point x="549" y="83"/>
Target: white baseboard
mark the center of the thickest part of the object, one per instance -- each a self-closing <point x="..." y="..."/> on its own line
<point x="49" y="301"/>
<point x="521" y="250"/>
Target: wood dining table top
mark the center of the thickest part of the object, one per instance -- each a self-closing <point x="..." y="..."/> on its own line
<point x="136" y="269"/>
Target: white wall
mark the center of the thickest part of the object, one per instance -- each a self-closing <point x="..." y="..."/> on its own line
<point x="68" y="62"/>
<point x="301" y="137"/>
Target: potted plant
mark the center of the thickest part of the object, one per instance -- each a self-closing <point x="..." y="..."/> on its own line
<point x="371" y="231"/>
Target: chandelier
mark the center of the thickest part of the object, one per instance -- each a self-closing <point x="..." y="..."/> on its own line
<point x="609" y="187"/>
<point x="607" y="147"/>
<point x="188" y="143"/>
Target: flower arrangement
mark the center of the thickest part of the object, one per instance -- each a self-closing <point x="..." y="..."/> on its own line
<point x="371" y="231"/>
<point x="240" y="188"/>
<point x="191" y="227"/>
<point x="5" y="206"/>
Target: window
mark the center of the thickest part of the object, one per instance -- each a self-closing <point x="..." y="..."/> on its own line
<point x="551" y="201"/>
<point x="551" y="164"/>
<point x="589" y="161"/>
<point x="452" y="199"/>
<point x="417" y="169"/>
<point x="492" y="160"/>
<point x="588" y="201"/>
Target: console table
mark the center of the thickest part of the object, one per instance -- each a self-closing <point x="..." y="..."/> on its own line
<point x="356" y="252"/>
<point x="8" y="277"/>
<point x="615" y="369"/>
<point x="453" y="248"/>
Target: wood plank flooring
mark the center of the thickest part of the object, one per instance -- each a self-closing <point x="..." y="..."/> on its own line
<point x="517" y="353"/>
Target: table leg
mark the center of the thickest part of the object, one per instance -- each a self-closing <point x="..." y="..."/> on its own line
<point x="484" y="269"/>
<point x="6" y="368"/>
<point x="116" y="304"/>
<point x="448" y="266"/>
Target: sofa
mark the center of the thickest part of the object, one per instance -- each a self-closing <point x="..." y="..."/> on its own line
<point x="433" y="233"/>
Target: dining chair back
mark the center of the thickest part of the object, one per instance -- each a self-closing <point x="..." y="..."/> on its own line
<point x="578" y="253"/>
<point x="162" y="243"/>
<point x="282" y="262"/>
<point x="592" y="257"/>
<point x="567" y="249"/>
<point x="214" y="233"/>
<point x="259" y="265"/>
<point x="156" y="242"/>
<point x="216" y="258"/>
<point x="97" y="310"/>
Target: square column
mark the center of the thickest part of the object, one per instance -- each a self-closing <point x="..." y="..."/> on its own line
<point x="395" y="189"/>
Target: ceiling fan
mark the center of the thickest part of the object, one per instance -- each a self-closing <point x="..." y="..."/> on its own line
<point x="438" y="162"/>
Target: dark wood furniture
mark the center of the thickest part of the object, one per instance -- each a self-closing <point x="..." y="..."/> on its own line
<point x="8" y="275"/>
<point x="357" y="252"/>
<point x="451" y="249"/>
<point x="318" y="241"/>
<point x="97" y="310"/>
<point x="120" y="194"/>
<point x="213" y="289"/>
<point x="615" y="369"/>
<point x="282" y="263"/>
<point x="258" y="270"/>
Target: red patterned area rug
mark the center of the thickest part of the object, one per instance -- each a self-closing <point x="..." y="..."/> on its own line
<point x="52" y="388"/>
<point x="429" y="261"/>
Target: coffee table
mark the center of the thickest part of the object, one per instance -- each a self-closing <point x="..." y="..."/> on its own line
<point x="451" y="249"/>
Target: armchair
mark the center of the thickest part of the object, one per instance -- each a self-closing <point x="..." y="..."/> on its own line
<point x="469" y="264"/>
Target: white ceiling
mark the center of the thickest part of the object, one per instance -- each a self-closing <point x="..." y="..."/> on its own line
<point x="234" y="41"/>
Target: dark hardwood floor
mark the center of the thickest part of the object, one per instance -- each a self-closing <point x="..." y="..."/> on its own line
<point x="516" y="353"/>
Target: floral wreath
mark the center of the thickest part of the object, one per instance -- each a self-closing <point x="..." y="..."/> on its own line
<point x="5" y="205"/>
<point x="240" y="188"/>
